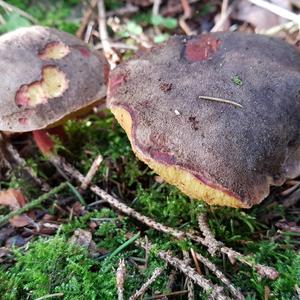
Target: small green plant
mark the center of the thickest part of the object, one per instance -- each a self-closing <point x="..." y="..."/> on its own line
<point x="237" y="80"/>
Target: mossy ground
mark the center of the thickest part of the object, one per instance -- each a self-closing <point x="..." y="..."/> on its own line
<point x="50" y="264"/>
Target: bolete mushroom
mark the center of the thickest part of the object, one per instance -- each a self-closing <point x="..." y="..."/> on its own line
<point x="217" y="115"/>
<point x="46" y="77"/>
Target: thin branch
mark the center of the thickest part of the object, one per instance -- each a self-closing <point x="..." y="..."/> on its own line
<point x="22" y="13"/>
<point x="215" y="290"/>
<point x="86" y="18"/>
<point x="91" y="173"/>
<point x="221" y="101"/>
<point x="265" y="271"/>
<point x="18" y="160"/>
<point x="277" y="10"/>
<point x="120" y="278"/>
<point x="110" y="54"/>
<point x="157" y="272"/>
<point x="213" y="245"/>
<point x="235" y="292"/>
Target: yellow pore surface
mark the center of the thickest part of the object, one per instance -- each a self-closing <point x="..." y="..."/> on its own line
<point x="173" y="174"/>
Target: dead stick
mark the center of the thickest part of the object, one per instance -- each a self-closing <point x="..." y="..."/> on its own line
<point x="120" y="278"/>
<point x="157" y="272"/>
<point x="264" y="271"/>
<point x="235" y="292"/>
<point x="207" y="285"/>
<point x="91" y="173"/>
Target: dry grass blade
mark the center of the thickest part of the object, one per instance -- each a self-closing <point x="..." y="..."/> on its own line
<point x="221" y="100"/>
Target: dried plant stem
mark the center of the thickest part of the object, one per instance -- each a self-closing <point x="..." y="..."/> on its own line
<point x="86" y="18"/>
<point x="120" y="278"/>
<point x="14" y="154"/>
<point x="73" y="173"/>
<point x="22" y="13"/>
<point x="213" y="244"/>
<point x="225" y="13"/>
<point x="33" y="204"/>
<point x="235" y="292"/>
<point x="110" y="54"/>
<point x="277" y="10"/>
<point x="233" y="255"/>
<point x="157" y="272"/>
<point x="207" y="285"/>
<point x="221" y="100"/>
<point x="91" y="173"/>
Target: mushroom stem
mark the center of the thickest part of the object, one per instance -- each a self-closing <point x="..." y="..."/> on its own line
<point x="43" y="141"/>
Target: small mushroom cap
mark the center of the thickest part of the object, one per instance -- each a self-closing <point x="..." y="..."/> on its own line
<point x="226" y="152"/>
<point x="45" y="75"/>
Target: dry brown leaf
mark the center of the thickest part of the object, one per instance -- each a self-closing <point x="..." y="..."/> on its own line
<point x="20" y="221"/>
<point x="12" y="198"/>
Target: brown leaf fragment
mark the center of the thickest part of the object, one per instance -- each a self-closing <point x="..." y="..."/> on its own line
<point x="12" y="198"/>
<point x="20" y="221"/>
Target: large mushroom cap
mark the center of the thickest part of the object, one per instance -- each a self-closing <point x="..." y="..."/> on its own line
<point x="225" y="152"/>
<point x="45" y="75"/>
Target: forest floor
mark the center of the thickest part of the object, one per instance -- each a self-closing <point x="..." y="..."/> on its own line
<point x="60" y="241"/>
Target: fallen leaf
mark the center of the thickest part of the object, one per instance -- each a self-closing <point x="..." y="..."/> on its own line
<point x="20" y="221"/>
<point x="12" y="198"/>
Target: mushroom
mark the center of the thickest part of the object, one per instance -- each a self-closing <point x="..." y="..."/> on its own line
<point x="217" y="115"/>
<point x="46" y="77"/>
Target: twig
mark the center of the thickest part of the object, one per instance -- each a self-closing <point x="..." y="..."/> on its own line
<point x="265" y="271"/>
<point x="233" y="255"/>
<point x="191" y="290"/>
<point x="221" y="100"/>
<point x="14" y="154"/>
<point x="207" y="285"/>
<point x="88" y="32"/>
<point x="292" y="199"/>
<point x="277" y="10"/>
<point x="126" y="10"/>
<point x="120" y="278"/>
<point x="235" y="292"/>
<point x="213" y="245"/>
<point x="187" y="13"/>
<point x="33" y="204"/>
<point x="289" y="26"/>
<point x="110" y="54"/>
<point x="189" y="283"/>
<point x="225" y="13"/>
<point x="91" y="173"/>
<point x="22" y="13"/>
<point x="118" y="46"/>
<point x="86" y="18"/>
<point x="157" y="272"/>
<point x="155" y="8"/>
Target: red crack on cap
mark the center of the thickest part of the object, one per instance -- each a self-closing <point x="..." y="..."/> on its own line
<point x="202" y="48"/>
